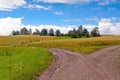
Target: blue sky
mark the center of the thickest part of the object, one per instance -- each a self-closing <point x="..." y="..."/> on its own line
<point x="64" y="14"/>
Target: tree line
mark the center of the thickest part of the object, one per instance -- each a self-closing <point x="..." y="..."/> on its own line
<point x="75" y="33"/>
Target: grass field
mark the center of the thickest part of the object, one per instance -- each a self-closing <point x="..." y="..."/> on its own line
<point x="23" y="57"/>
<point x="83" y="45"/>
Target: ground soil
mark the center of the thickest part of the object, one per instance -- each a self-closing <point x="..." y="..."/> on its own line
<point x="101" y="65"/>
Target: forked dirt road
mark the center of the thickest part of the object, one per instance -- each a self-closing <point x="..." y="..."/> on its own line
<point x="67" y="65"/>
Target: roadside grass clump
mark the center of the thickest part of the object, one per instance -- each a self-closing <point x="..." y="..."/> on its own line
<point x="23" y="63"/>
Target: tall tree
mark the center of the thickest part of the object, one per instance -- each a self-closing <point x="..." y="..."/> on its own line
<point x="51" y="32"/>
<point x="58" y="33"/>
<point x="24" y="31"/>
<point x="85" y="32"/>
<point x="73" y="34"/>
<point x="70" y="33"/>
<point x="79" y="31"/>
<point x="95" y="32"/>
<point x="44" y="32"/>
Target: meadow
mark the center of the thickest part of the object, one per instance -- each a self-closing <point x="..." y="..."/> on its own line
<point x="24" y="57"/>
<point x="82" y="45"/>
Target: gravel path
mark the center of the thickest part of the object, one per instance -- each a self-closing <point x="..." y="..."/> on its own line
<point x="67" y="65"/>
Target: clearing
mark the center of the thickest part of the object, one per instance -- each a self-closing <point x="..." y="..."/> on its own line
<point x="67" y="65"/>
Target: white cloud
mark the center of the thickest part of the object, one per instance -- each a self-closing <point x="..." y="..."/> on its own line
<point x="38" y="7"/>
<point x="8" y="5"/>
<point x="58" y="13"/>
<point x="64" y="1"/>
<point x="107" y="26"/>
<point x="7" y="25"/>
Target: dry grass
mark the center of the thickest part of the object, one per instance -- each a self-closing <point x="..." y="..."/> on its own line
<point x="21" y="40"/>
<point x="84" y="45"/>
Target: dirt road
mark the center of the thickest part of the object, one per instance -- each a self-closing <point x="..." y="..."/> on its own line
<point x="67" y="65"/>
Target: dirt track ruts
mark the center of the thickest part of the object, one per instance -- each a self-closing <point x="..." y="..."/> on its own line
<point x="67" y="65"/>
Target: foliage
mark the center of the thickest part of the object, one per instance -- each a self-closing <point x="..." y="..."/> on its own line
<point x="79" y="32"/>
<point x="24" y="31"/>
<point x="85" y="33"/>
<point x="58" y="33"/>
<point x="51" y="32"/>
<point x="15" y="33"/>
<point x="37" y="32"/>
<point x="95" y="32"/>
<point x="44" y="32"/>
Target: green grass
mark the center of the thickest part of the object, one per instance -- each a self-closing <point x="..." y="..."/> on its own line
<point x="62" y="37"/>
<point x="23" y="63"/>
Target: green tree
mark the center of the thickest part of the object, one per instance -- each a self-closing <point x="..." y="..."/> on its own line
<point x="70" y="33"/>
<point x="79" y="31"/>
<point x="51" y="32"/>
<point x="95" y="32"/>
<point x="44" y="32"/>
<point x="15" y="33"/>
<point x="18" y="32"/>
<point x="85" y="32"/>
<point x="58" y="33"/>
<point x="24" y="31"/>
<point x="73" y="33"/>
<point x="37" y="32"/>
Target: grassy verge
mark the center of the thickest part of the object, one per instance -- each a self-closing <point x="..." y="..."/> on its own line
<point x="22" y="63"/>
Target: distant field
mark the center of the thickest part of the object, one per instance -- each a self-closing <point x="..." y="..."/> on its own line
<point x="22" y="57"/>
<point x="83" y="45"/>
<point x="21" y="40"/>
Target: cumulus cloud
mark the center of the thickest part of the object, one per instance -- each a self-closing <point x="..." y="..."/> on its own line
<point x="8" y="5"/>
<point x="7" y="25"/>
<point x="38" y="7"/>
<point x="107" y="26"/>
